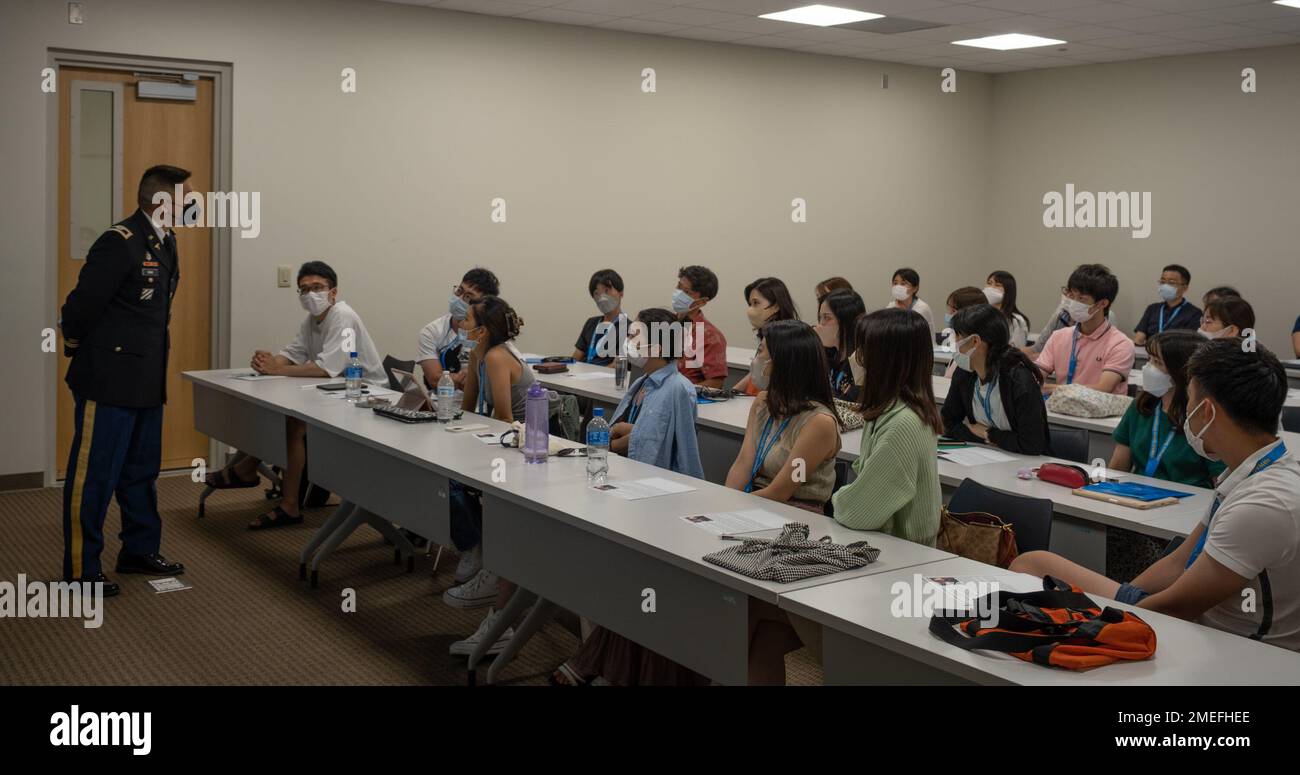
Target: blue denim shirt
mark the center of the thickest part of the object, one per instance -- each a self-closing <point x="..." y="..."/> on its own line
<point x="664" y="432"/>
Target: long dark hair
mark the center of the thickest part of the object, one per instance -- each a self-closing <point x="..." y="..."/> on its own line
<point x="495" y="314"/>
<point x="799" y="372"/>
<point x="1174" y="348"/>
<point x="910" y="275"/>
<point x="845" y="305"/>
<point x="772" y="289"/>
<point x="895" y="349"/>
<point x="1008" y="283"/>
<point x="989" y="324"/>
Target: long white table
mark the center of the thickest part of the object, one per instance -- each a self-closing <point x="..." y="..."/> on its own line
<point x="544" y="528"/>
<point x="864" y="642"/>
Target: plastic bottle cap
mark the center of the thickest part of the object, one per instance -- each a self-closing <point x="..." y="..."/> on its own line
<point x="598" y="412"/>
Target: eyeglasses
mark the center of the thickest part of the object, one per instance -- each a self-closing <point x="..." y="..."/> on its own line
<point x="1178" y="283"/>
<point x="303" y="290"/>
<point x="464" y="293"/>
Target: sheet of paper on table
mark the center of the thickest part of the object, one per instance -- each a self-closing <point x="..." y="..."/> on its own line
<point x="737" y="522"/>
<point x="975" y="456"/>
<point x="636" y="489"/>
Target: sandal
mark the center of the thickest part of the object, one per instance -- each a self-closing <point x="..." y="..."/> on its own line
<point x="277" y="517"/>
<point x="566" y="676"/>
<point x="225" y="480"/>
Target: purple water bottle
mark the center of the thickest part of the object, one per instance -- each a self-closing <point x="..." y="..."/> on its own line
<point x="537" y="435"/>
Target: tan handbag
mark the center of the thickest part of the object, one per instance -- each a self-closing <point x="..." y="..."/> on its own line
<point x="977" y="536"/>
<point x="848" y="413"/>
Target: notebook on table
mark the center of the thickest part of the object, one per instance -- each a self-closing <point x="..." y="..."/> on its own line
<point x="1132" y="494"/>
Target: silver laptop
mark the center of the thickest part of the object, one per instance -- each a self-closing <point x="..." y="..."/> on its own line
<point x="414" y="395"/>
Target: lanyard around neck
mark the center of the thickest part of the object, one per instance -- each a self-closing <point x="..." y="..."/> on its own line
<point x="1264" y="462"/>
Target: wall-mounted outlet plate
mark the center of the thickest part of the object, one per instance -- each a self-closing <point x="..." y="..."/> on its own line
<point x="282" y="274"/>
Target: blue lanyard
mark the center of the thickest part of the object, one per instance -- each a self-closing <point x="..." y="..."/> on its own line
<point x="1153" y="457"/>
<point x="1172" y="315"/>
<point x="986" y="399"/>
<point x="482" y="392"/>
<point x="1074" y="356"/>
<point x="591" y="348"/>
<point x="764" y="446"/>
<point x="1264" y="462"/>
<point x="443" y="351"/>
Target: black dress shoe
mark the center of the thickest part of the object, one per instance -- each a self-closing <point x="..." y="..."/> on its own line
<point x="110" y="589"/>
<point x="152" y="565"/>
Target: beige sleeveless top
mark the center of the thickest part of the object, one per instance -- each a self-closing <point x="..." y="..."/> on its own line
<point x="820" y="479"/>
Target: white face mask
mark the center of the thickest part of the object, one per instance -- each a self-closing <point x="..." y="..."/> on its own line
<point x="1077" y="310"/>
<point x="994" y="295"/>
<point x="962" y="359"/>
<point x="315" y="302"/>
<point x="758" y="371"/>
<point x="1194" y="440"/>
<point x="859" y="373"/>
<point x="899" y="292"/>
<point x="1212" y="334"/>
<point x="635" y="356"/>
<point x="1155" y="381"/>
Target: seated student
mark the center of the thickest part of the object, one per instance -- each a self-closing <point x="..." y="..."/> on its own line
<point x="706" y="360"/>
<point x="1172" y="311"/>
<point x="906" y="284"/>
<point x="896" y="489"/>
<point x="316" y="351"/>
<point x="793" y="433"/>
<point x="1149" y="438"/>
<point x="766" y="299"/>
<point x="655" y="424"/>
<point x="1000" y="291"/>
<point x="967" y="296"/>
<point x="836" y="315"/>
<point x="1227" y="316"/>
<point x="1216" y="292"/>
<point x="825" y="287"/>
<point x="497" y="386"/>
<point x="440" y="340"/>
<point x="997" y="393"/>
<point x="1250" y="538"/>
<point x="599" y="339"/>
<point x="1092" y="352"/>
<point x="897" y="486"/>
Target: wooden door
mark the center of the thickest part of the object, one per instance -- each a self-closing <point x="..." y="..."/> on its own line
<point x="151" y="132"/>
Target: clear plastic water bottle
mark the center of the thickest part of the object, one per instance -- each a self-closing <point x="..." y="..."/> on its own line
<point x="446" y="397"/>
<point x="537" y="432"/>
<point x="353" y="375"/>
<point x="597" y="448"/>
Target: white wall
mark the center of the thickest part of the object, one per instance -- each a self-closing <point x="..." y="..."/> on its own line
<point x="1222" y="167"/>
<point x="392" y="184"/>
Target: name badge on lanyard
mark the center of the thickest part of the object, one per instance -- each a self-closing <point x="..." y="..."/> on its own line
<point x="1172" y="315"/>
<point x="764" y="446"/>
<point x="1154" y="456"/>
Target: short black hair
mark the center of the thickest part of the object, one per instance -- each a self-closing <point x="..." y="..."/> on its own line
<point x="664" y="329"/>
<point x="606" y="277"/>
<point x="703" y="280"/>
<point x="1232" y="311"/>
<point x="1250" y="386"/>
<point x="1220" y="290"/>
<point x="1181" y="270"/>
<point x="909" y="275"/>
<point x="320" y="269"/>
<point x="1096" y="281"/>
<point x="160" y="177"/>
<point x="484" y="280"/>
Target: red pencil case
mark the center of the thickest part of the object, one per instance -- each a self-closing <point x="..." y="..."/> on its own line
<point x="1064" y="475"/>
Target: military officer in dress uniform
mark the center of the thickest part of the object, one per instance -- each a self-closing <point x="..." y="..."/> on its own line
<point x="115" y="330"/>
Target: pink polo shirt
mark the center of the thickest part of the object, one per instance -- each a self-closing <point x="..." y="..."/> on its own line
<point x="1106" y="349"/>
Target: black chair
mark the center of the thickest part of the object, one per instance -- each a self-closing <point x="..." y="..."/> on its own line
<point x="1069" y="443"/>
<point x="391" y="363"/>
<point x="1291" y="418"/>
<point x="842" y="468"/>
<point x="1030" y="517"/>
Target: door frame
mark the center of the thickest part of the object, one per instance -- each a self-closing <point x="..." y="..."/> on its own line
<point x="222" y="74"/>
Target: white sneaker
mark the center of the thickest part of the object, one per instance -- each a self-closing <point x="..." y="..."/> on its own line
<point x="464" y="648"/>
<point x="470" y="564"/>
<point x="475" y="593"/>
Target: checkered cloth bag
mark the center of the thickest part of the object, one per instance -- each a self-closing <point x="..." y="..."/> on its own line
<point x="791" y="556"/>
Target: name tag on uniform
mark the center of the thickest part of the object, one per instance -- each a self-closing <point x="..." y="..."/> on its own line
<point x="148" y="271"/>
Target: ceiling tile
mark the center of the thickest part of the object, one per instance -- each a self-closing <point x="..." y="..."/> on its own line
<point x="1184" y="6"/>
<point x="1158" y="24"/>
<point x="743" y="7"/>
<point x="710" y="33"/>
<point x="1134" y="41"/>
<point x="556" y="16"/>
<point x="494" y="7"/>
<point x="1100" y="13"/>
<point x="958" y="14"/>
<point x="640" y="25"/>
<point x="1212" y="32"/>
<point x="1032" y="6"/>
<point x="1243" y="13"/>
<point x="689" y="16"/>
<point x="618" y="8"/>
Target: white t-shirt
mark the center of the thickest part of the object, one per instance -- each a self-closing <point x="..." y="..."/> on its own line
<point x="919" y="307"/>
<point x="1019" y="330"/>
<point x="322" y="343"/>
<point x="994" y="395"/>
<point x="436" y="338"/>
<point x="1257" y="528"/>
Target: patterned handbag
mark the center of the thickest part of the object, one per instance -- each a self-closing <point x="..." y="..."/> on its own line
<point x="978" y="536"/>
<point x="1081" y="401"/>
<point x="791" y="556"/>
<point x="849" y="416"/>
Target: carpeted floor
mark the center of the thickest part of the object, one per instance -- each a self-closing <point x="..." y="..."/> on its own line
<point x="247" y="619"/>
